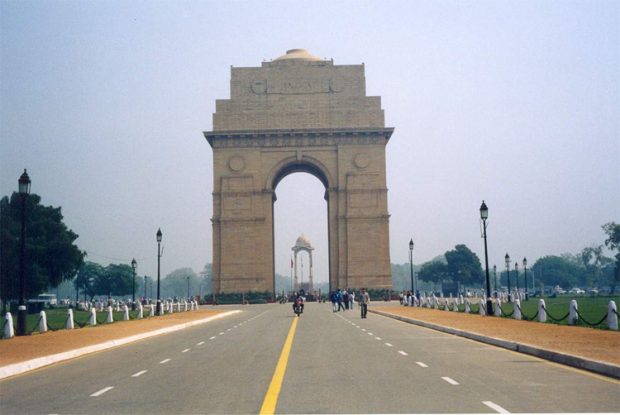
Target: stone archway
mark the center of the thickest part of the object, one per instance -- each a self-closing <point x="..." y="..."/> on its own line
<point x="299" y="113"/>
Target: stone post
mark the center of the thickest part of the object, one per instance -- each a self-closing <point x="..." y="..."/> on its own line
<point x="612" y="317"/>
<point x="110" y="318"/>
<point x="151" y="310"/>
<point x="498" y="307"/>
<point x="69" y="320"/>
<point x="482" y="307"/>
<point x="140" y="311"/>
<point x="125" y="312"/>
<point x="42" y="322"/>
<point x="572" y="313"/>
<point x="542" y="312"/>
<point x="517" y="308"/>
<point x="467" y="306"/>
<point x="9" y="330"/>
<point x="92" y="320"/>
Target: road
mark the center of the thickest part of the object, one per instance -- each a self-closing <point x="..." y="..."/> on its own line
<point x="338" y="363"/>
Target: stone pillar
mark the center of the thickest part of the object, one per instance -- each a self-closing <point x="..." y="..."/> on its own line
<point x="517" y="309"/>
<point x="542" y="312"/>
<point x="9" y="330"/>
<point x="110" y="318"/>
<point x="92" y="319"/>
<point x="42" y="322"/>
<point x="572" y="313"/>
<point x="69" y="320"/>
<point x="612" y="316"/>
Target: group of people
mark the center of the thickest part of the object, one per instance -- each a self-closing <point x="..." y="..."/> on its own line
<point x="344" y="300"/>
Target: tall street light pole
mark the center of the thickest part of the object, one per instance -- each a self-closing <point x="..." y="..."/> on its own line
<point x="517" y="276"/>
<point x="22" y="312"/>
<point x="145" y="289"/>
<point x="134" y="265"/>
<point x="495" y="278"/>
<point x="411" y="264"/>
<point x="507" y="259"/>
<point x="484" y="215"/>
<point x="525" y="274"/>
<point x="188" y="287"/>
<point x="159" y="235"/>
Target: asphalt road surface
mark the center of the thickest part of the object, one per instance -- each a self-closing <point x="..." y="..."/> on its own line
<point x="337" y="363"/>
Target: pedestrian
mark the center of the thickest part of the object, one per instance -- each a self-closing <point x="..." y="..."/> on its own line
<point x="364" y="300"/>
<point x="339" y="299"/>
<point x="345" y="299"/>
<point x="334" y="299"/>
<point x="351" y="299"/>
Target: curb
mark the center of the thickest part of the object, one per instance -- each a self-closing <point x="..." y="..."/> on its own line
<point x="603" y="368"/>
<point x="28" y="365"/>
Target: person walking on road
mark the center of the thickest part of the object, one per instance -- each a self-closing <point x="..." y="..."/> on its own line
<point x="339" y="299"/>
<point x="364" y="300"/>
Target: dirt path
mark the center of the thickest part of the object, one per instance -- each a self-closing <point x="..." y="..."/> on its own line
<point x="594" y="344"/>
<point x="23" y="348"/>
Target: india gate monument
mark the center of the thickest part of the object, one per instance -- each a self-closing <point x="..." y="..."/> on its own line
<point x="299" y="113"/>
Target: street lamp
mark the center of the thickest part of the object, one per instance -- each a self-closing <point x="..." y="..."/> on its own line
<point x="495" y="278"/>
<point x="24" y="191"/>
<point x="484" y="215"/>
<point x="517" y="276"/>
<point x="145" y="297"/>
<point x="507" y="259"/>
<point x="525" y="274"/>
<point x="188" y="287"/>
<point x="158" y="270"/>
<point x="411" y="264"/>
<point x="134" y="265"/>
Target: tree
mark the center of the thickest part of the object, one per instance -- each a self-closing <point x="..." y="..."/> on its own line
<point x="116" y="280"/>
<point x="555" y="270"/>
<point x="434" y="272"/>
<point x="612" y="243"/>
<point x="50" y="253"/>
<point x="87" y="279"/>
<point x="175" y="283"/>
<point x="464" y="266"/>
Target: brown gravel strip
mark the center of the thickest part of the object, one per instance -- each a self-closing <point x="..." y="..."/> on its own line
<point x="22" y="348"/>
<point x="594" y="344"/>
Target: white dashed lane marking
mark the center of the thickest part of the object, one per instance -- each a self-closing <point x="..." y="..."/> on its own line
<point x="403" y="353"/>
<point x="200" y="343"/>
<point x="140" y="373"/>
<point x="450" y="380"/>
<point x="186" y="350"/>
<point x="211" y="338"/>
<point x="389" y="344"/>
<point x="495" y="407"/>
<point x="378" y="338"/>
<point x="102" y="391"/>
<point x="421" y="364"/>
<point x="164" y="361"/>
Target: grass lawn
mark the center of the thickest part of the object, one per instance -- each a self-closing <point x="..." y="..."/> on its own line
<point x="592" y="309"/>
<point x="56" y="318"/>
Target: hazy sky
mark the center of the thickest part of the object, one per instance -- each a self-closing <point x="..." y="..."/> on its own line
<point x="513" y="102"/>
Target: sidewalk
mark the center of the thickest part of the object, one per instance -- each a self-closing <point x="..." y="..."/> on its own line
<point x="586" y="348"/>
<point x="24" y="353"/>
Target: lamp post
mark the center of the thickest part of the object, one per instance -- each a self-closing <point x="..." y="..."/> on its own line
<point x="507" y="259"/>
<point x="411" y="264"/>
<point x="24" y="191"/>
<point x="525" y="274"/>
<point x="188" y="287"/>
<point x="484" y="215"/>
<point x="145" y="290"/>
<point x="495" y="278"/>
<point x="158" y="270"/>
<point x="134" y="265"/>
<point x="517" y="277"/>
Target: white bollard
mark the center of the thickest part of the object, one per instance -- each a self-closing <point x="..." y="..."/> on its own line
<point x="467" y="306"/>
<point x="125" y="312"/>
<point x="482" y="307"/>
<point x="42" y="322"/>
<point x="92" y="320"/>
<point x="140" y="311"/>
<point x="612" y="316"/>
<point x="455" y="305"/>
<point x="118" y="307"/>
<point x="185" y="305"/>
<point x="517" y="308"/>
<point x="151" y="310"/>
<point x="542" y="312"/>
<point x="572" y="313"/>
<point x="9" y="330"/>
<point x="461" y="299"/>
<point x="498" y="307"/>
<point x="69" y="320"/>
<point x="110" y="318"/>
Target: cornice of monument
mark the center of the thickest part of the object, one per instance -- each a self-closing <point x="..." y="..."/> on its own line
<point x="293" y="138"/>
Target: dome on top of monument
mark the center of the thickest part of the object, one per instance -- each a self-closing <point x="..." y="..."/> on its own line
<point x="300" y="54"/>
<point x="303" y="241"/>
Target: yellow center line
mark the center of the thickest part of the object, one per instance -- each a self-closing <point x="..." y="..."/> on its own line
<point x="271" y="398"/>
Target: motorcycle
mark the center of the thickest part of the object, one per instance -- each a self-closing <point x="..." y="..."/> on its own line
<point x="297" y="308"/>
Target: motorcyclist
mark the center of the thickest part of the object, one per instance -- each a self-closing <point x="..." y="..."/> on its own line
<point x="299" y="301"/>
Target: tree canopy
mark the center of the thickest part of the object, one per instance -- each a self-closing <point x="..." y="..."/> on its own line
<point x="50" y="253"/>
